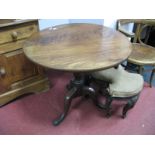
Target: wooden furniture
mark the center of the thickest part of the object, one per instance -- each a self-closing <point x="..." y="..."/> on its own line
<point x="80" y="49"/>
<point x="116" y="83"/>
<point x="18" y="75"/>
<point x="142" y="54"/>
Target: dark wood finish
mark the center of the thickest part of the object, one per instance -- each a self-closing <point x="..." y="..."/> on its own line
<point x="18" y="75"/>
<point x="107" y="106"/>
<point x="151" y="37"/>
<point x="77" y="47"/>
<point x="142" y="54"/>
<point x="76" y="88"/>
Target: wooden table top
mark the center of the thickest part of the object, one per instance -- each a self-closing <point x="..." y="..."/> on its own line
<point x="77" y="47"/>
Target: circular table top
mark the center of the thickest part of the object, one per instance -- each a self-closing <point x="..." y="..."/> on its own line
<point x="77" y="47"/>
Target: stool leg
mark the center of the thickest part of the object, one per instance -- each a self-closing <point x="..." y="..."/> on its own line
<point x="108" y="106"/>
<point x="131" y="103"/>
<point x="141" y="70"/>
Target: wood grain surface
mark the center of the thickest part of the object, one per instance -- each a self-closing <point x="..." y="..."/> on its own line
<point x="77" y="47"/>
<point x="142" y="54"/>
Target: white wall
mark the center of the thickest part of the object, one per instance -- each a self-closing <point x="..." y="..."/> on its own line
<point x="110" y="23"/>
<point x="92" y="21"/>
<point x="44" y="23"/>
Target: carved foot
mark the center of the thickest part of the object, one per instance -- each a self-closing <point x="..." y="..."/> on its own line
<point x="59" y="120"/>
<point x="68" y="98"/>
<point x="131" y="103"/>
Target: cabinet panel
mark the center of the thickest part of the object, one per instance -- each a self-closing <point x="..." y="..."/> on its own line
<point x="19" y="66"/>
<point x="12" y="46"/>
<point x="18" y="75"/>
<point x="4" y="78"/>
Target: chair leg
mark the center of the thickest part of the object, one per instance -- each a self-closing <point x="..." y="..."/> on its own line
<point x="131" y="103"/>
<point x="141" y="70"/>
<point x="108" y="106"/>
<point x="151" y="78"/>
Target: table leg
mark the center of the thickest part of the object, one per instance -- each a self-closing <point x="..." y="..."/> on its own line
<point x="68" y="98"/>
<point x="76" y="87"/>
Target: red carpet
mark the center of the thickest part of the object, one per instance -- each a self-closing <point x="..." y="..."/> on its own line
<point x="33" y="114"/>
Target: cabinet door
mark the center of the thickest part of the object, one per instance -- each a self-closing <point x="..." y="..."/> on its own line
<point x="4" y="78"/>
<point x="14" y="66"/>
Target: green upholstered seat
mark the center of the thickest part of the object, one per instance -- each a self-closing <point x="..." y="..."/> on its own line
<point x="122" y="83"/>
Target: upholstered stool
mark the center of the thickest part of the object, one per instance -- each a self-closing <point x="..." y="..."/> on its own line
<point x="119" y="84"/>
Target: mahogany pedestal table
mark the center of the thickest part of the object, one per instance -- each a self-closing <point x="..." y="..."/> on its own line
<point x="80" y="49"/>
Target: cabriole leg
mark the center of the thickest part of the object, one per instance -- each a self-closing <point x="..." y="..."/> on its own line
<point x="108" y="106"/>
<point x="68" y="98"/>
<point x="131" y="103"/>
